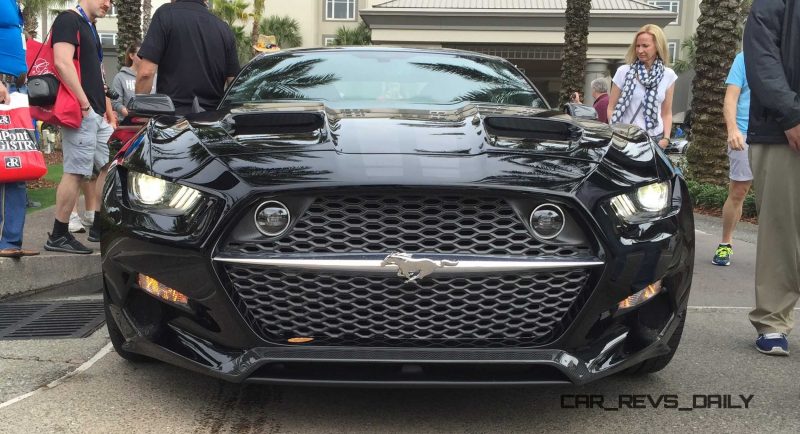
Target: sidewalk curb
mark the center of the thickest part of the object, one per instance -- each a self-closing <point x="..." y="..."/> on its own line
<point x="39" y="273"/>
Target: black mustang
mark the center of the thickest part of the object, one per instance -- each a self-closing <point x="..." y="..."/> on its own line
<point x="396" y="217"/>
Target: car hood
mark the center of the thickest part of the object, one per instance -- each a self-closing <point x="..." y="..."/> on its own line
<point x="276" y="144"/>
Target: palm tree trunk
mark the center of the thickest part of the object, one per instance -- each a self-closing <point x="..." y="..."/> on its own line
<point x="147" y="15"/>
<point x="718" y="34"/>
<point x="30" y="18"/>
<point x="258" y="12"/>
<point x="129" y="25"/>
<point x="576" y="40"/>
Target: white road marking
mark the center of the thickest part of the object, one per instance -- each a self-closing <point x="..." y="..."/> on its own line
<point x="701" y="232"/>
<point x="725" y="308"/>
<point x="88" y="364"/>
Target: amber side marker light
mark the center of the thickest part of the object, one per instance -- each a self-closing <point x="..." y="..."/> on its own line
<point x="640" y="297"/>
<point x="162" y="291"/>
<point x="300" y="340"/>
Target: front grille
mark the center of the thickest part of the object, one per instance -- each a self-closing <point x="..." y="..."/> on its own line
<point x="410" y="223"/>
<point x="480" y="311"/>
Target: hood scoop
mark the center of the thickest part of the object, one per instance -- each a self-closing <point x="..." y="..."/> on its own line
<point x="246" y="125"/>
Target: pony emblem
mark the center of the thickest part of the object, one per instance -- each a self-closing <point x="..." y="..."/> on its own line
<point x="413" y="269"/>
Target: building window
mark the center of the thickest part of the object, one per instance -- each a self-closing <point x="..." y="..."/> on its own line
<point x="668" y="5"/>
<point x="672" y="47"/>
<point x="340" y="9"/>
<point x="328" y="41"/>
<point x="108" y="39"/>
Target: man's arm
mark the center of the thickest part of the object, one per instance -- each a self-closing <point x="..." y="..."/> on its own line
<point x="145" y="74"/>
<point x="735" y="138"/>
<point x="63" y="53"/>
<point x="764" y="65"/>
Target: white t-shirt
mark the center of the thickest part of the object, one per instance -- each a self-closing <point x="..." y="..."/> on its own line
<point x="638" y="95"/>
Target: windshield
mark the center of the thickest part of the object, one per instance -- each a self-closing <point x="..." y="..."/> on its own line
<point x="382" y="76"/>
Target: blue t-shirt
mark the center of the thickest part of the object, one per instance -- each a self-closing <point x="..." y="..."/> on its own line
<point x="737" y="77"/>
<point x="12" y="48"/>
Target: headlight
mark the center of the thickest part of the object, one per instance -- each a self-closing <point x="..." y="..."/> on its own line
<point x="647" y="203"/>
<point x="154" y="193"/>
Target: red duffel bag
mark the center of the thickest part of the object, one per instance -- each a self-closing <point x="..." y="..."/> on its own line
<point x="20" y="158"/>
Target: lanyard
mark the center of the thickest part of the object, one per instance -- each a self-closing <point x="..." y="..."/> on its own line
<point x="94" y="30"/>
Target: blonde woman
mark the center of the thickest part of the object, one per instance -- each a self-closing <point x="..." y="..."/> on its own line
<point x="642" y="89"/>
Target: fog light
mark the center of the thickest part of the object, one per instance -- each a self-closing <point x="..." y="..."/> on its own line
<point x="164" y="292"/>
<point x="640" y="297"/>
<point x="547" y="221"/>
<point x="272" y="218"/>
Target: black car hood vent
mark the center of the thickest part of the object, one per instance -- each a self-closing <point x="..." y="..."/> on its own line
<point x="269" y="123"/>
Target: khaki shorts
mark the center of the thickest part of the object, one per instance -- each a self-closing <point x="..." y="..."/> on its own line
<point x="739" y="165"/>
<point x="86" y="148"/>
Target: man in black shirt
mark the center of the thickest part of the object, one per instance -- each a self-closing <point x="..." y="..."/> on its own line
<point x="194" y="51"/>
<point x="74" y="36"/>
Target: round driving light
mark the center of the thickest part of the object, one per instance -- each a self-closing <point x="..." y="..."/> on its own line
<point x="272" y="218"/>
<point x="547" y="221"/>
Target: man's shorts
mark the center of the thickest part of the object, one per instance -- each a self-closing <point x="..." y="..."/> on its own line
<point x="739" y="165"/>
<point x="86" y="147"/>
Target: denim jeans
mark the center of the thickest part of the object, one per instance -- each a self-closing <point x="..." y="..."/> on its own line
<point x="13" y="200"/>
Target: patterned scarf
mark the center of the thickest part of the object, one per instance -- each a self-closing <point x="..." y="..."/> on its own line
<point x="649" y="80"/>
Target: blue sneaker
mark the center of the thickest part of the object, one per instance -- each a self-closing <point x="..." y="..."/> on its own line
<point x="773" y="343"/>
<point x="723" y="255"/>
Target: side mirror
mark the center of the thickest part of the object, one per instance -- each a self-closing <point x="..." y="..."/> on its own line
<point x="580" y="111"/>
<point x="145" y="105"/>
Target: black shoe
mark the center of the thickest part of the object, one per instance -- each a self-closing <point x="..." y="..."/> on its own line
<point x="94" y="236"/>
<point x="66" y="244"/>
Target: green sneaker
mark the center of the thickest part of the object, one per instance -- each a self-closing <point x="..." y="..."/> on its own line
<point x="723" y="255"/>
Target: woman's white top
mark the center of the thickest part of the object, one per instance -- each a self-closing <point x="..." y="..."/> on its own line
<point x="637" y="98"/>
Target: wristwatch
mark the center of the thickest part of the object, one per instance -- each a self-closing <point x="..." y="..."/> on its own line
<point x="86" y="109"/>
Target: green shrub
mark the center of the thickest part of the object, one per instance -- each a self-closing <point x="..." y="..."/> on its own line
<point x="713" y="196"/>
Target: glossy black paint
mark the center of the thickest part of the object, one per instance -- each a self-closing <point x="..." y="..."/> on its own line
<point x="238" y="157"/>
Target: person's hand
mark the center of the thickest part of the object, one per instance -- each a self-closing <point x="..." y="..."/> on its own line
<point x="124" y="111"/>
<point x="111" y="118"/>
<point x="4" y="96"/>
<point x="736" y="140"/>
<point x="793" y="135"/>
<point x="663" y="143"/>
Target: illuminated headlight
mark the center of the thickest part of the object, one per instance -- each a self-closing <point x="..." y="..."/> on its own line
<point x="156" y="194"/>
<point x="647" y="203"/>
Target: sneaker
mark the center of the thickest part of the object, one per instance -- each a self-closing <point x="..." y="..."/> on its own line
<point x="66" y="244"/>
<point x="75" y="224"/>
<point x="723" y="255"/>
<point x="88" y="219"/>
<point x="94" y="236"/>
<point x="773" y="343"/>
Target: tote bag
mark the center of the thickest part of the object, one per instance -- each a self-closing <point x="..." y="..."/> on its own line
<point x="44" y="82"/>
<point x="20" y="158"/>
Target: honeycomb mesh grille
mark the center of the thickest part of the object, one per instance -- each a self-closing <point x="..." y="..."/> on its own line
<point x="485" y="311"/>
<point x="412" y="224"/>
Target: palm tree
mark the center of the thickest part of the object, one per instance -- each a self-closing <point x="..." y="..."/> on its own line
<point x="576" y="40"/>
<point x="147" y="14"/>
<point x="33" y="8"/>
<point x="233" y="12"/>
<point x="689" y="46"/>
<point x="501" y="87"/>
<point x="258" y="11"/>
<point x="718" y="34"/>
<point x="284" y="82"/>
<point x="285" y="29"/>
<point x="360" y="35"/>
<point x="129" y="25"/>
